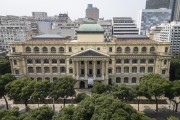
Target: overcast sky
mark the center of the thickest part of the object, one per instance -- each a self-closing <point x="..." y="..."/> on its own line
<point x="75" y="8"/>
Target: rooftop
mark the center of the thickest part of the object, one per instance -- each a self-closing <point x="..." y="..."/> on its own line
<point x="48" y="36"/>
<point x="88" y="28"/>
<point x="138" y="41"/>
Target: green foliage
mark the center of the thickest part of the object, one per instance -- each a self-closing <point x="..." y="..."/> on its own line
<point x="9" y="114"/>
<point x="41" y="113"/>
<point x="175" y="68"/>
<point x="99" y="88"/>
<point x="80" y="97"/>
<point x="172" y="118"/>
<point x="100" y="107"/>
<point x="4" y="66"/>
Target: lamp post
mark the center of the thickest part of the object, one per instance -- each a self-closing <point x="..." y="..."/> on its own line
<point x="53" y="104"/>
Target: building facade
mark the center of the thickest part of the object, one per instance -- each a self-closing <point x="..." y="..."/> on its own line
<point x="152" y="17"/>
<point x="157" y="4"/>
<point x="92" y="12"/>
<point x="175" y="7"/>
<point x="90" y="59"/>
<point x="124" y="26"/>
<point x="168" y="32"/>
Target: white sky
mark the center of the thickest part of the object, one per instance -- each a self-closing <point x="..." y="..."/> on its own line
<point x="75" y="8"/>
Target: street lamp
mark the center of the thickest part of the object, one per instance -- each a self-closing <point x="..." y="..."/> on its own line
<point x="53" y="104"/>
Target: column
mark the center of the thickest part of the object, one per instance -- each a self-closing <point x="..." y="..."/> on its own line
<point x="107" y="69"/>
<point x="77" y="69"/>
<point x="85" y="71"/>
<point x="103" y="67"/>
<point x="94" y="69"/>
<point x="74" y="68"/>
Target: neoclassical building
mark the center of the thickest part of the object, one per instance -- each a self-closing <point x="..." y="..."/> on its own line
<point x="89" y="59"/>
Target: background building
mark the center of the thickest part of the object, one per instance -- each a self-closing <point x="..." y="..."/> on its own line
<point x="152" y="17"/>
<point x="92" y="12"/>
<point x="124" y="26"/>
<point x="157" y="4"/>
<point x="39" y="15"/>
<point x="175" y="7"/>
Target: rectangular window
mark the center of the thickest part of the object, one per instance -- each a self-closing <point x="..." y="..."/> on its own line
<point x="70" y="49"/>
<point x="110" y="49"/>
<point x="166" y="49"/>
<point x="163" y="72"/>
<point x="13" y="49"/>
<point x="17" y="72"/>
<point x="15" y="62"/>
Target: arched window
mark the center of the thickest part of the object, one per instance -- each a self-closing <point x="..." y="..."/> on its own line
<point x="29" y="61"/>
<point x="70" y="70"/>
<point x="30" y="70"/>
<point x="54" y="69"/>
<point x="142" y="69"/>
<point x="127" y="50"/>
<point x="135" y="50"/>
<point x="126" y="69"/>
<point x="62" y="69"/>
<point x="118" y="61"/>
<point x="47" y="78"/>
<point x="53" y="50"/>
<point x="55" y="78"/>
<point x="39" y="79"/>
<point x="144" y="49"/>
<point x="119" y="50"/>
<point x="54" y="61"/>
<point x="126" y="61"/>
<point x="36" y="50"/>
<point x="110" y="61"/>
<point x="134" y="61"/>
<point x="118" y="69"/>
<point x="70" y="61"/>
<point x="38" y="70"/>
<point x="126" y="80"/>
<point x="28" y="49"/>
<point x="152" y="49"/>
<point x="143" y="61"/>
<point x="133" y="80"/>
<point x="110" y="70"/>
<point x="46" y="70"/>
<point x="61" y="50"/>
<point x="37" y="61"/>
<point x="118" y="80"/>
<point x="62" y="61"/>
<point x="151" y="61"/>
<point x="150" y="69"/>
<point x="44" y="49"/>
<point x="134" y="69"/>
<point x="46" y="61"/>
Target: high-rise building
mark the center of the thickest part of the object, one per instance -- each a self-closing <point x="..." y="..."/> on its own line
<point x="39" y="15"/>
<point x="92" y="12"/>
<point x="124" y="26"/>
<point x="156" y="4"/>
<point x="175" y="7"/>
<point x="168" y="32"/>
<point x="152" y="17"/>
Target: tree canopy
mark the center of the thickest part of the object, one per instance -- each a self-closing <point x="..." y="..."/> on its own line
<point x="4" y="66"/>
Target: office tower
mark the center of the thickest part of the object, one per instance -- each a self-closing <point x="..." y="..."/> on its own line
<point x="152" y="17"/>
<point x="156" y="4"/>
<point x="124" y="26"/>
<point x="175" y="6"/>
<point x="39" y="15"/>
<point x="92" y="12"/>
<point x="168" y="32"/>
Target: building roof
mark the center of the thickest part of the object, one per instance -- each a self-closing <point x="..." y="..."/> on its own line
<point x="88" y="28"/>
<point x="48" y="36"/>
<point x="137" y="41"/>
<point x="130" y="37"/>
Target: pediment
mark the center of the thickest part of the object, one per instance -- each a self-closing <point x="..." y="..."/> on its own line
<point x="90" y="53"/>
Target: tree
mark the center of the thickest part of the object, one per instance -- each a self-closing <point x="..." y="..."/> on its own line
<point x="41" y="90"/>
<point x="99" y="88"/>
<point x="100" y="107"/>
<point x="64" y="88"/>
<point x="154" y="85"/>
<point x="175" y="69"/>
<point x="12" y="114"/>
<point x="173" y="92"/>
<point x="80" y="97"/>
<point x="4" y="80"/>
<point x="172" y="118"/>
<point x="4" y="66"/>
<point x="21" y="89"/>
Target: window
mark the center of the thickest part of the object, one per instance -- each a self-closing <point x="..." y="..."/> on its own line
<point x="134" y="80"/>
<point x="152" y="49"/>
<point x="142" y="69"/>
<point x="15" y="62"/>
<point x="53" y="50"/>
<point x="62" y="69"/>
<point x="163" y="72"/>
<point x="61" y="50"/>
<point x="110" y="70"/>
<point x="134" y="69"/>
<point x="62" y="61"/>
<point x="118" y="61"/>
<point x="144" y="50"/>
<point x="134" y="61"/>
<point x="165" y="62"/>
<point x="98" y="48"/>
<point x="39" y="79"/>
<point x="30" y="70"/>
<point x="47" y="78"/>
<point x="70" y="70"/>
<point x="46" y="70"/>
<point x="166" y="49"/>
<point x="46" y="61"/>
<point x="90" y="62"/>
<point x="110" y="49"/>
<point x="151" y="61"/>
<point x="28" y="49"/>
<point x="126" y="80"/>
<point x="37" y="61"/>
<point x="82" y="48"/>
<point x="143" y="61"/>
<point x="55" y="78"/>
<point x="98" y="62"/>
<point x="54" y="61"/>
<point x="110" y="61"/>
<point x="38" y="70"/>
<point x="150" y="69"/>
<point x="126" y="61"/>
<point x="13" y="49"/>
<point x="119" y="50"/>
<point x="118" y="69"/>
<point x="82" y="62"/>
<point x="70" y="61"/>
<point x="126" y="69"/>
<point x="17" y="72"/>
<point x="29" y="61"/>
<point x="127" y="50"/>
<point x="54" y="69"/>
<point x="135" y="50"/>
<point x="44" y="49"/>
<point x="70" y="49"/>
<point x="36" y="50"/>
<point x="118" y="80"/>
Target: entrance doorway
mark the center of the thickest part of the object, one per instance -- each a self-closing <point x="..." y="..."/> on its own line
<point x="110" y="81"/>
<point x="82" y="85"/>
